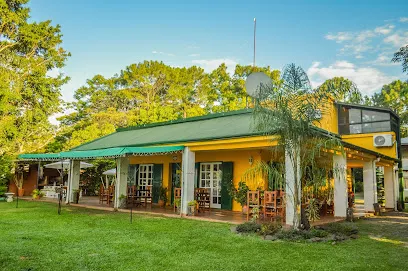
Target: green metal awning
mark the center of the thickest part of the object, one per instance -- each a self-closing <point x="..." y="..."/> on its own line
<point x="102" y="153"/>
<point x="39" y="156"/>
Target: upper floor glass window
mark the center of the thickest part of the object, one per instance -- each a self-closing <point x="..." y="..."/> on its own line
<point x="353" y="120"/>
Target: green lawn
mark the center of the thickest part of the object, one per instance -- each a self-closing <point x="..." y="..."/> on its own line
<point x="35" y="237"/>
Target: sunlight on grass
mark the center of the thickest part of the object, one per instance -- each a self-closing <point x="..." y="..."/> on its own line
<point x="386" y="240"/>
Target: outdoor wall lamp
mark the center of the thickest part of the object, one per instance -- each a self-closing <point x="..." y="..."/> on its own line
<point x="250" y="160"/>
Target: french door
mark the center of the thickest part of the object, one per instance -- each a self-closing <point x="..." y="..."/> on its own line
<point x="145" y="179"/>
<point x="210" y="177"/>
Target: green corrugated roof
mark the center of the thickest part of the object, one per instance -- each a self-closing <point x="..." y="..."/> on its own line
<point x="214" y="126"/>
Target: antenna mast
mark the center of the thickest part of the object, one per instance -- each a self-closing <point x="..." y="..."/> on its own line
<point x="254" y="40"/>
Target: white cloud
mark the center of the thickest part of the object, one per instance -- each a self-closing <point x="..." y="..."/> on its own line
<point x="194" y="55"/>
<point x="397" y="39"/>
<point x="356" y="43"/>
<point x="212" y="64"/>
<point x="403" y="19"/>
<point x="384" y="59"/>
<point x="367" y="79"/>
<point x="384" y="30"/>
<point x="339" y="37"/>
<point x="162" y="53"/>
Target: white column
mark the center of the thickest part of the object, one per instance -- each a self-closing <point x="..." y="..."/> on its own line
<point x="187" y="187"/>
<point x="73" y="180"/>
<point x="389" y="187"/>
<point x="292" y="162"/>
<point x="340" y="185"/>
<point x="122" y="168"/>
<point x="370" y="185"/>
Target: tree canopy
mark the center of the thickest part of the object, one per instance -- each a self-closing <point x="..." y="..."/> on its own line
<point x="28" y="94"/>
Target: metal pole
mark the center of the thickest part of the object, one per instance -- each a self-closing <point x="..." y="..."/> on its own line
<point x="254" y="40"/>
<point x="38" y="173"/>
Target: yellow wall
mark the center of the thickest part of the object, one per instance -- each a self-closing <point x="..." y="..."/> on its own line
<point x="158" y="159"/>
<point x="240" y="159"/>
<point x="329" y="118"/>
<point x="367" y="141"/>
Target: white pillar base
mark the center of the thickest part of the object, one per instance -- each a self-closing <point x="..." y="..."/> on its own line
<point x="73" y="180"/>
<point x="187" y="187"/>
<point x="122" y="166"/>
<point x="340" y="185"/>
<point x="370" y="186"/>
<point x="390" y="199"/>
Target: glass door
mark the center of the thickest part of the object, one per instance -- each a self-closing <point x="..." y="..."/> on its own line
<point x="210" y="177"/>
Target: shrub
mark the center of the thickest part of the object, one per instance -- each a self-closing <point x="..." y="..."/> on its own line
<point x="346" y="229"/>
<point x="314" y="233"/>
<point x="290" y="235"/>
<point x="3" y="189"/>
<point x="406" y="199"/>
<point x="270" y="228"/>
<point x="248" y="227"/>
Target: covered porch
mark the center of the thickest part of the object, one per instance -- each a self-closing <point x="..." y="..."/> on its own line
<point x="215" y="168"/>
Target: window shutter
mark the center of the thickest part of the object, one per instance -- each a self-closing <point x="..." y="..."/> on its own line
<point x="132" y="174"/>
<point x="175" y="178"/>
<point x="197" y="175"/>
<point x="157" y="181"/>
<point x="226" y="183"/>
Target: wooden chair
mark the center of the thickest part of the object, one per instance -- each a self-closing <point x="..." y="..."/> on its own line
<point x="131" y="197"/>
<point x="177" y="195"/>
<point x="103" y="195"/>
<point x="253" y="201"/>
<point x="280" y="204"/>
<point x="203" y="199"/>
<point x="269" y="204"/>
<point x="145" y="196"/>
<point x="111" y="193"/>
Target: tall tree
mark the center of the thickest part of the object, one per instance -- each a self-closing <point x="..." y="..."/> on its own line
<point x="347" y="91"/>
<point x="288" y="112"/>
<point x="395" y="96"/>
<point x="29" y="52"/>
<point x="402" y="56"/>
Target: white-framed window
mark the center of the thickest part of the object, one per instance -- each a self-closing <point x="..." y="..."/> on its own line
<point x="145" y="179"/>
<point x="210" y="177"/>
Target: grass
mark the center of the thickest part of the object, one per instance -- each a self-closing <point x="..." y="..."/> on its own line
<point x="35" y="237"/>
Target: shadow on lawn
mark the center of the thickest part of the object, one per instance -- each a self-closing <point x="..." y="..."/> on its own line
<point x="392" y="226"/>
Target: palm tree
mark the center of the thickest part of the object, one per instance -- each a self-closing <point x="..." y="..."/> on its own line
<point x="290" y="113"/>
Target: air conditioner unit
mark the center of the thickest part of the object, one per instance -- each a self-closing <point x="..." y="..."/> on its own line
<point x="383" y="140"/>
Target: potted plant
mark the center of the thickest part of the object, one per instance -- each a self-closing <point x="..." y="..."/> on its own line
<point x="18" y="181"/>
<point x="37" y="194"/>
<point x="163" y="196"/>
<point x="75" y="196"/>
<point x="240" y="195"/>
<point x="122" y="201"/>
<point x="192" y="207"/>
<point x="177" y="202"/>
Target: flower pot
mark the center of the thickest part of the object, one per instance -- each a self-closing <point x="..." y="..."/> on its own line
<point x="9" y="196"/>
<point x="161" y="203"/>
<point x="191" y="210"/>
<point x="21" y="192"/>
<point x="244" y="209"/>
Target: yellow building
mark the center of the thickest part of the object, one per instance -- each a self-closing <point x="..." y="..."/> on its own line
<point x="192" y="152"/>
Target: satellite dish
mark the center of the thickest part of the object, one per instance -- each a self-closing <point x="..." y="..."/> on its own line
<point x="255" y="82"/>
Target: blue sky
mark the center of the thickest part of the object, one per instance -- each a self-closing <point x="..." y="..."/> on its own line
<point x="355" y="39"/>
